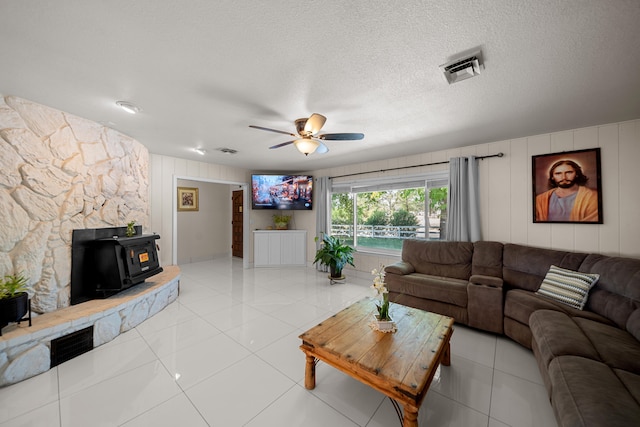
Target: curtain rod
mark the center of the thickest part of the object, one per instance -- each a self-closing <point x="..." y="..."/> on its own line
<point x="414" y="166"/>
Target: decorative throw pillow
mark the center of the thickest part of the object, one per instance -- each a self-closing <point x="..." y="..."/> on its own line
<point x="567" y="286"/>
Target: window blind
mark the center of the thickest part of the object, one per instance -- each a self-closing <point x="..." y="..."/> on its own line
<point x="391" y="183"/>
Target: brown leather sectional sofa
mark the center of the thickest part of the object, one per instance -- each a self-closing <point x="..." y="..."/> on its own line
<point x="589" y="359"/>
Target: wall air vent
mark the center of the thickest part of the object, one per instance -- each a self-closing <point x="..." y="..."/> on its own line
<point x="463" y="68"/>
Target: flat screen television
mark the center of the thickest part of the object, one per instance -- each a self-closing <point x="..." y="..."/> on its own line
<point x="287" y="192"/>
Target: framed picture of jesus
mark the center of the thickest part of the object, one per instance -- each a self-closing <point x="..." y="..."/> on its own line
<point x="567" y="187"/>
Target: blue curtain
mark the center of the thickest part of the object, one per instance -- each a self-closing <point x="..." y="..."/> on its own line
<point x="463" y="218"/>
<point x="322" y="201"/>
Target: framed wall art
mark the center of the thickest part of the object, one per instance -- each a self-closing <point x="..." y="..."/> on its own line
<point x="567" y="187"/>
<point x="187" y="199"/>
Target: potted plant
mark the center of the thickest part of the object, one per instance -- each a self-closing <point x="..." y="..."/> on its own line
<point x="281" y="221"/>
<point x="14" y="300"/>
<point x="131" y="231"/>
<point x="334" y="253"/>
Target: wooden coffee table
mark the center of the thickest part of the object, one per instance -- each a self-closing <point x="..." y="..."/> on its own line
<point x="400" y="365"/>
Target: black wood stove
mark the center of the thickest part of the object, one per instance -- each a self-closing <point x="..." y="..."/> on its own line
<point x="105" y="261"/>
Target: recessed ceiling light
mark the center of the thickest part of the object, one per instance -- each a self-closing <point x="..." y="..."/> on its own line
<point x="200" y="151"/>
<point x="128" y="107"/>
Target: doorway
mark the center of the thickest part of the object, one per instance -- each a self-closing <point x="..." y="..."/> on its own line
<point x="237" y="232"/>
<point x="179" y="234"/>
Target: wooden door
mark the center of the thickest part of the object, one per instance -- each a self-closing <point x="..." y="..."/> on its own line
<point x="236" y="224"/>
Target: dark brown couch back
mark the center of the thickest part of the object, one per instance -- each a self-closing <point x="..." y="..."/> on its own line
<point x="524" y="267"/>
<point x="447" y="259"/>
<point x="616" y="296"/>
<point x="487" y="259"/>
<point x="617" y="293"/>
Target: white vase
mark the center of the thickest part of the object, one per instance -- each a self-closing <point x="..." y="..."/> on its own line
<point x="385" y="325"/>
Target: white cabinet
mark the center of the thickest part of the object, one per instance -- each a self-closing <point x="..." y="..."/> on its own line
<point x="275" y="247"/>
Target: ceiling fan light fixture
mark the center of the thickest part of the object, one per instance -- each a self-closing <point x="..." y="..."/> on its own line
<point x="306" y="145"/>
<point x="129" y="107"/>
<point x="313" y="124"/>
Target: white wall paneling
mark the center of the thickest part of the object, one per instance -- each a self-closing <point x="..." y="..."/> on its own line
<point x="629" y="194"/>
<point x="506" y="190"/>
<point x="165" y="217"/>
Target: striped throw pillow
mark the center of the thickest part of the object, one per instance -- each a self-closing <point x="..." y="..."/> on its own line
<point x="567" y="287"/>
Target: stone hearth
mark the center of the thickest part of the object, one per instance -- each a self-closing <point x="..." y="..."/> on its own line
<point x="25" y="351"/>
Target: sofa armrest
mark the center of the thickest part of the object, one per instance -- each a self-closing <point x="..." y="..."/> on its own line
<point x="494" y="282"/>
<point x="485" y="303"/>
<point x="402" y="268"/>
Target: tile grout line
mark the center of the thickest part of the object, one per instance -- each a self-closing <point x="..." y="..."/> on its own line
<point x="493" y="377"/>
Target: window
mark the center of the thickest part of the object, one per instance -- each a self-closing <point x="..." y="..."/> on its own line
<point x="379" y="215"/>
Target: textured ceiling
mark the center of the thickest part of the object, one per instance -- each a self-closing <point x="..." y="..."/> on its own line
<point x="203" y="70"/>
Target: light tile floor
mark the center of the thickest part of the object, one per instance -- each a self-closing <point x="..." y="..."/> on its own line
<point x="226" y="354"/>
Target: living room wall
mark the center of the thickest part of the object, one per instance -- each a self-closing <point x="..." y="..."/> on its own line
<point x="163" y="171"/>
<point x="506" y="190"/>
<point x="60" y="172"/>
<point x="506" y="200"/>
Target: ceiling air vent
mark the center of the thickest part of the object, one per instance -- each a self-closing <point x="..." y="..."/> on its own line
<point x="227" y="150"/>
<point x="463" y="68"/>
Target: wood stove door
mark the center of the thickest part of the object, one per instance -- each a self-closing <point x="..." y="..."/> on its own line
<point x="236" y="224"/>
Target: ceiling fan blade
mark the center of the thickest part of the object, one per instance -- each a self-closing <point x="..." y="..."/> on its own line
<point x="314" y="123"/>
<point x="281" y="145"/>
<point x="341" y="136"/>
<point x="321" y="148"/>
<point x="272" y="130"/>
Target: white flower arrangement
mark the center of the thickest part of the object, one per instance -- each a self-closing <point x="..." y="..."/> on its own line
<point x="381" y="292"/>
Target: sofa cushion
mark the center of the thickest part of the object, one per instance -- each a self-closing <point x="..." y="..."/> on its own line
<point x="459" y="314"/>
<point x="524" y="267"/>
<point x="631" y="381"/>
<point x="518" y="332"/>
<point x="487" y="259"/>
<point x="633" y="324"/>
<point x="436" y="258"/>
<point x="618" y="275"/>
<point x="617" y="293"/>
<point x="567" y="286"/>
<point x="617" y="347"/>
<point x="450" y="291"/>
<point x="519" y="305"/>
<point x="614" y="307"/>
<point x="556" y="334"/>
<point x="585" y="392"/>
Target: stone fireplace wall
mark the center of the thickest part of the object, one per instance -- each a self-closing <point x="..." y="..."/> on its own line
<point x="59" y="172"/>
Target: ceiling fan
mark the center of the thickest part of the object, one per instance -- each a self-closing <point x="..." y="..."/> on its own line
<point x="308" y="141"/>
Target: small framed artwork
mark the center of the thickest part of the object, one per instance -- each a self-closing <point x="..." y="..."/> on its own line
<point x="567" y="187"/>
<point x="187" y="199"/>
